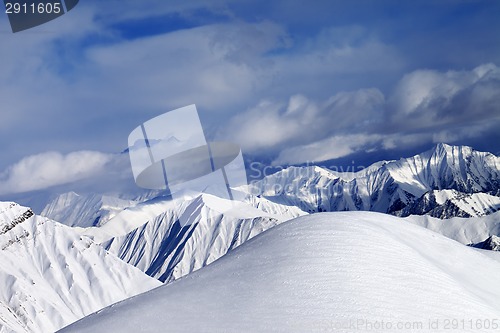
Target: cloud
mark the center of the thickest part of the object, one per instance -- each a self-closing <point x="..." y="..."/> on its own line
<point x="49" y="169"/>
<point x="58" y="87"/>
<point x="431" y="99"/>
<point x="199" y="72"/>
<point x="425" y="107"/>
<point x="81" y="82"/>
<point x="327" y="149"/>
<point x="271" y="126"/>
<point x="247" y="43"/>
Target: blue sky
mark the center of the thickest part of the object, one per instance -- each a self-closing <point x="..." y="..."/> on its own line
<point x="291" y="82"/>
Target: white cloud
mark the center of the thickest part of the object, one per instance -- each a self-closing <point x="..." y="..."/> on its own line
<point x="49" y="169"/>
<point x="271" y="126"/>
<point x="431" y="98"/>
<point x="327" y="149"/>
<point x="425" y="107"/>
<point x="246" y="43"/>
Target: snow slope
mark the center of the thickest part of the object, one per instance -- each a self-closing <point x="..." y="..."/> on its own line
<point x="464" y="230"/>
<point x="51" y="276"/>
<point x="339" y="272"/>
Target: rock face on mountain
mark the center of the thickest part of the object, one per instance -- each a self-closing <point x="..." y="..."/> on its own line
<point x="51" y="276"/>
<point x="444" y="182"/>
<point x="452" y="203"/>
<point x="492" y="243"/>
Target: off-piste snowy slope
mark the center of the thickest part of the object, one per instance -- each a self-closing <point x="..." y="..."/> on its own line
<point x="150" y="237"/>
<point x="407" y="186"/>
<point x="468" y="231"/>
<point x="339" y="272"/>
<point x="51" y="276"/>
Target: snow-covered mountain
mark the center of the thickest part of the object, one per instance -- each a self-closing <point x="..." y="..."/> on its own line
<point x="342" y="272"/>
<point x="444" y="182"/>
<point x="452" y="203"/>
<point x="150" y="237"/>
<point x="491" y="243"/>
<point x="435" y="190"/>
<point x="85" y="210"/>
<point x="51" y="276"/>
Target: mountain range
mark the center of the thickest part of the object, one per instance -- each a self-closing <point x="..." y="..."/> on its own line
<point x="132" y="244"/>
<point x="444" y="182"/>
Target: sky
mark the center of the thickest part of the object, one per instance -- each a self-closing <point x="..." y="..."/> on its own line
<point x="292" y="82"/>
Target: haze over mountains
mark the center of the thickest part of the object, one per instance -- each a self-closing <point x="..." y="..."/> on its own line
<point x="454" y="191"/>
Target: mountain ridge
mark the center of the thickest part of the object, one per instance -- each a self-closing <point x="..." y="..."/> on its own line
<point x="386" y="186"/>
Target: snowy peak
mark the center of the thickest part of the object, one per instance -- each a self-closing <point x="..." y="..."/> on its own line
<point x="151" y="236"/>
<point x="11" y="214"/>
<point x="447" y="203"/>
<point x="50" y="275"/>
<point x="449" y="167"/>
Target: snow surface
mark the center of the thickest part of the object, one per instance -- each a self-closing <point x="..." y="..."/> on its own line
<point x="317" y="273"/>
<point x="51" y="276"/>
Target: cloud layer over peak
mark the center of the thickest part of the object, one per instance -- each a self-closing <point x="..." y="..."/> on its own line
<point x="425" y="107"/>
